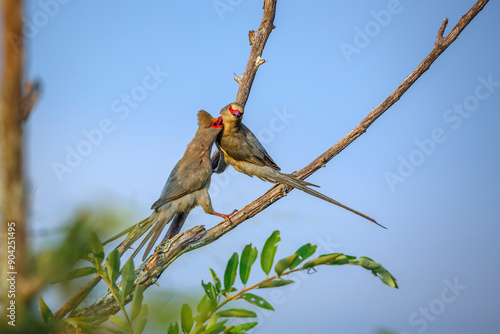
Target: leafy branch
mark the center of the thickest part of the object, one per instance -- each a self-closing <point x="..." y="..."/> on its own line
<point x="109" y="273"/>
<point x="209" y="309"/>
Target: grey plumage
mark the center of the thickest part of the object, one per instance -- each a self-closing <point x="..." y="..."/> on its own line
<point x="187" y="184"/>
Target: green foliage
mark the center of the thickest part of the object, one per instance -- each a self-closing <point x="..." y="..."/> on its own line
<point x="268" y="252"/>
<point x="128" y="277"/>
<point x="187" y="320"/>
<point x="230" y="273"/>
<point x="47" y="315"/>
<point x="210" y="308"/>
<point x="303" y="253"/>
<point x="109" y="274"/>
<point x="248" y="257"/>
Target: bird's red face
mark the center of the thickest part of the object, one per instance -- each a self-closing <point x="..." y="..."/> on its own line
<point x="235" y="112"/>
<point x="217" y="123"/>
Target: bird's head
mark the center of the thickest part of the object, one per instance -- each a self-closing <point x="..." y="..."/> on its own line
<point x="217" y="123"/>
<point x="206" y="121"/>
<point x="232" y="113"/>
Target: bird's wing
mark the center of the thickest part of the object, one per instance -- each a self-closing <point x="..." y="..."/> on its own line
<point x="217" y="161"/>
<point x="244" y="146"/>
<point x="185" y="178"/>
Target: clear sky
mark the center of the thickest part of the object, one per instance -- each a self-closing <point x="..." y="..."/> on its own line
<point x="123" y="83"/>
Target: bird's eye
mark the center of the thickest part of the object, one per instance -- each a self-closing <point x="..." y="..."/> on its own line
<point x="231" y="108"/>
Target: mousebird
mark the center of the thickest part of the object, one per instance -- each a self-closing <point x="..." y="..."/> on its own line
<point x="237" y="146"/>
<point x="187" y="185"/>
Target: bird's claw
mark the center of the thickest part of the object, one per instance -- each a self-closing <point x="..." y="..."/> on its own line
<point x="227" y="217"/>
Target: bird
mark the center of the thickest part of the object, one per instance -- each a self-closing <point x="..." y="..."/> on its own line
<point x="187" y="185"/>
<point x="237" y="146"/>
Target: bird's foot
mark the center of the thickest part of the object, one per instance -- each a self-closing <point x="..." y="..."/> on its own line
<point x="226" y="216"/>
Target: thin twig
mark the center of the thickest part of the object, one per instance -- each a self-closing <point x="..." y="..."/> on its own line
<point x="30" y="98"/>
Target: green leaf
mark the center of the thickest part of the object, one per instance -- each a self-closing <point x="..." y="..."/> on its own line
<point x="368" y="263"/>
<point x="274" y="283"/>
<point x="303" y="253"/>
<point x="113" y="330"/>
<point x="80" y="325"/>
<point x="128" y="278"/>
<point x="323" y="259"/>
<point x="120" y="322"/>
<point x="186" y="318"/>
<point x="173" y="329"/>
<point x="205" y="307"/>
<point x="237" y="313"/>
<point x="230" y="273"/>
<point x="256" y="300"/>
<point x="268" y="252"/>
<point x="121" y="233"/>
<point x="76" y="273"/>
<point x="378" y="270"/>
<point x="141" y="322"/>
<point x="47" y="315"/>
<point x="210" y="290"/>
<point x="216" y="328"/>
<point x="386" y="277"/>
<point x="248" y="257"/>
<point x="211" y="321"/>
<point x="243" y="327"/>
<point x="113" y="265"/>
<point x="284" y="264"/>
<point x="216" y="280"/>
<point x="96" y="248"/>
<point x="341" y="260"/>
<point x="136" y="307"/>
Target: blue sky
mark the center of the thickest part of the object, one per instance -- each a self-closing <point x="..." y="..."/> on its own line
<point x="131" y="77"/>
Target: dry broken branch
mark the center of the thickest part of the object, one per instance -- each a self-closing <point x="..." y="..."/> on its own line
<point x="150" y="271"/>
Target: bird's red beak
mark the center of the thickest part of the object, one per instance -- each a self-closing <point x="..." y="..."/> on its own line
<point x="217" y="124"/>
<point x="235" y="112"/>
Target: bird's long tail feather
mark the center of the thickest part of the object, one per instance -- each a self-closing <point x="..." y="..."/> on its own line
<point x="302" y="182"/>
<point x="158" y="227"/>
<point x="176" y="225"/>
<point x="158" y="224"/>
<point x="299" y="184"/>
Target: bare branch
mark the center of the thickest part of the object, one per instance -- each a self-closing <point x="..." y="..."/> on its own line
<point x="258" y="41"/>
<point x="167" y="252"/>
